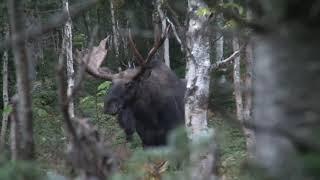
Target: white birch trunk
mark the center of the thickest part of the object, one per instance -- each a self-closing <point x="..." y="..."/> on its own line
<point x="166" y="53"/>
<point x="5" y="96"/>
<point x="67" y="35"/>
<point x="237" y="80"/>
<point x="114" y="29"/>
<point x="197" y="94"/>
<point x="219" y="36"/>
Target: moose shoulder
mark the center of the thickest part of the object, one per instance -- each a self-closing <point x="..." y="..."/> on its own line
<point x="149" y="98"/>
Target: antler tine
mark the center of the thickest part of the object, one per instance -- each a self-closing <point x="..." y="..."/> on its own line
<point x="158" y="44"/>
<point x="135" y="50"/>
<point x="94" y="59"/>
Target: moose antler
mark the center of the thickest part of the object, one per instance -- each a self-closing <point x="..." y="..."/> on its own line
<point x="152" y="51"/>
<point x="94" y="58"/>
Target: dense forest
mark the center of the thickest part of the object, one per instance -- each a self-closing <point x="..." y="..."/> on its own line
<point x="159" y="89"/>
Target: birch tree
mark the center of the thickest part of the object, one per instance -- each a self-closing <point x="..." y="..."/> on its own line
<point x="67" y="47"/>
<point x="166" y="53"/>
<point x="286" y="86"/>
<point x="237" y="80"/>
<point x="219" y="40"/>
<point x="116" y="42"/>
<point x="5" y="95"/>
<point x="24" y="112"/>
<point x="198" y="81"/>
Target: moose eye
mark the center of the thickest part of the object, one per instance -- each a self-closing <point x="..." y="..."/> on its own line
<point x="128" y="84"/>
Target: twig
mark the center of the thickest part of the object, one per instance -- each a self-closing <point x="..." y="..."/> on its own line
<point x="174" y="31"/>
<point x="225" y="61"/>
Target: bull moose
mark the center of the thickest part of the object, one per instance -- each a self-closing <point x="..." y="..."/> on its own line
<point x="149" y="98"/>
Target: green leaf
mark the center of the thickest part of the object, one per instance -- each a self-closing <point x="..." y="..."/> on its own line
<point x="203" y="12"/>
<point x="104" y="86"/>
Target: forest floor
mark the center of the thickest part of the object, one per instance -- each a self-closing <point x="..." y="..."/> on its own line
<point x="50" y="143"/>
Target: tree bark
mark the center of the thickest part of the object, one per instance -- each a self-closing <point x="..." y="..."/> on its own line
<point x="67" y="45"/>
<point x="166" y="53"/>
<point x="5" y="95"/>
<point x="219" y="37"/>
<point x="24" y="112"/>
<point x="198" y="82"/>
<point x="286" y="90"/>
<point x="114" y="29"/>
<point x="237" y="80"/>
<point x="15" y="132"/>
<point x="248" y="95"/>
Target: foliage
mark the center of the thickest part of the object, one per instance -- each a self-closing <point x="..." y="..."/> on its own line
<point x="18" y="170"/>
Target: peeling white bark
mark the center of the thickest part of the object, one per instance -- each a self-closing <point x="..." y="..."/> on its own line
<point x="198" y="82"/>
<point x="67" y="35"/>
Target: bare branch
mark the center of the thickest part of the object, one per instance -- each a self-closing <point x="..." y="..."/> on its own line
<point x="175" y="31"/>
<point x="225" y="61"/>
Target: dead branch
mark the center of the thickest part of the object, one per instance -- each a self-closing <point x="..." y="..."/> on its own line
<point x="225" y="61"/>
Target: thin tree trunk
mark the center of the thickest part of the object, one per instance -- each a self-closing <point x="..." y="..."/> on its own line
<point x="219" y="37"/>
<point x="237" y="80"/>
<point x="68" y="49"/>
<point x="5" y="96"/>
<point x="23" y="83"/>
<point x="114" y="29"/>
<point x="198" y="82"/>
<point x="166" y="53"/>
<point x="15" y="133"/>
<point x="247" y="106"/>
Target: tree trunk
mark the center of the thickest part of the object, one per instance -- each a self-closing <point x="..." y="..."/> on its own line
<point x="166" y="53"/>
<point x="114" y="29"/>
<point x="247" y="106"/>
<point x="286" y="89"/>
<point x="198" y="81"/>
<point x="219" y="37"/>
<point x="24" y="112"/>
<point x="15" y="132"/>
<point x="67" y="35"/>
<point x="237" y="80"/>
<point x="5" y="96"/>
